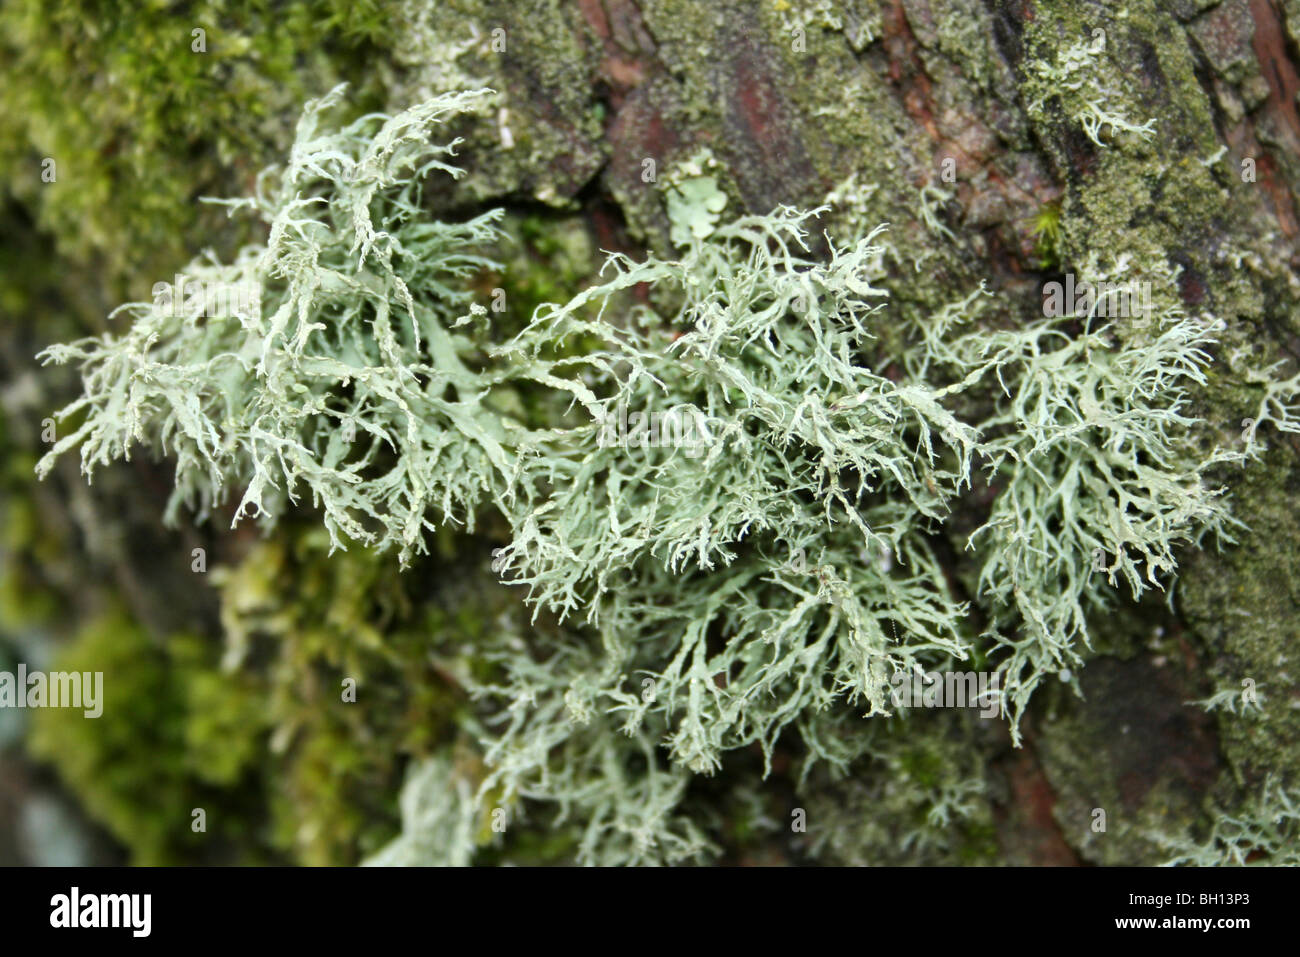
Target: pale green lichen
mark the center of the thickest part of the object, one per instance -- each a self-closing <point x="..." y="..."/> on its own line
<point x="1098" y="481"/>
<point x="346" y="357"/>
<point x="694" y="200"/>
<point x="1248" y="698"/>
<point x="1277" y="407"/>
<point x="759" y="572"/>
<point x="858" y="20"/>
<point x="1080" y="78"/>
<point x="439" y="819"/>
<point x="1264" y="831"/>
<point x="931" y="201"/>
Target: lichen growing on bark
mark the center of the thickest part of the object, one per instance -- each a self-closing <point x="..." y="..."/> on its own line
<point x="1005" y="150"/>
<point x="784" y="444"/>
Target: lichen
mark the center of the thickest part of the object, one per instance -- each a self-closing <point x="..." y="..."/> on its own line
<point x="1081" y="82"/>
<point x="1264" y="831"/>
<point x="333" y="357"/>
<point x="755" y="576"/>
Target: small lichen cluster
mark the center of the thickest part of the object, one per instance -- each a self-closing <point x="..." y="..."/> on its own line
<point x="1264" y="831"/>
<point x="338" y="379"/>
<point x="764" y="583"/>
<point x="1076" y="80"/>
<point x="858" y="20"/>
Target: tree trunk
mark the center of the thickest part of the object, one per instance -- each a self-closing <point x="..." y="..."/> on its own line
<point x="963" y="125"/>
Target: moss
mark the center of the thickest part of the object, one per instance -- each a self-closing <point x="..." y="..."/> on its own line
<point x="919" y="799"/>
<point x="33" y="555"/>
<point x="549" y="258"/>
<point x="1047" y="236"/>
<point x="283" y="766"/>
<point x="23" y="600"/>
<point x="140" y="124"/>
<point x="169" y="740"/>
<point x="302" y="625"/>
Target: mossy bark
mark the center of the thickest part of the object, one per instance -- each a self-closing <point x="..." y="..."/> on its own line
<point x="597" y="99"/>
